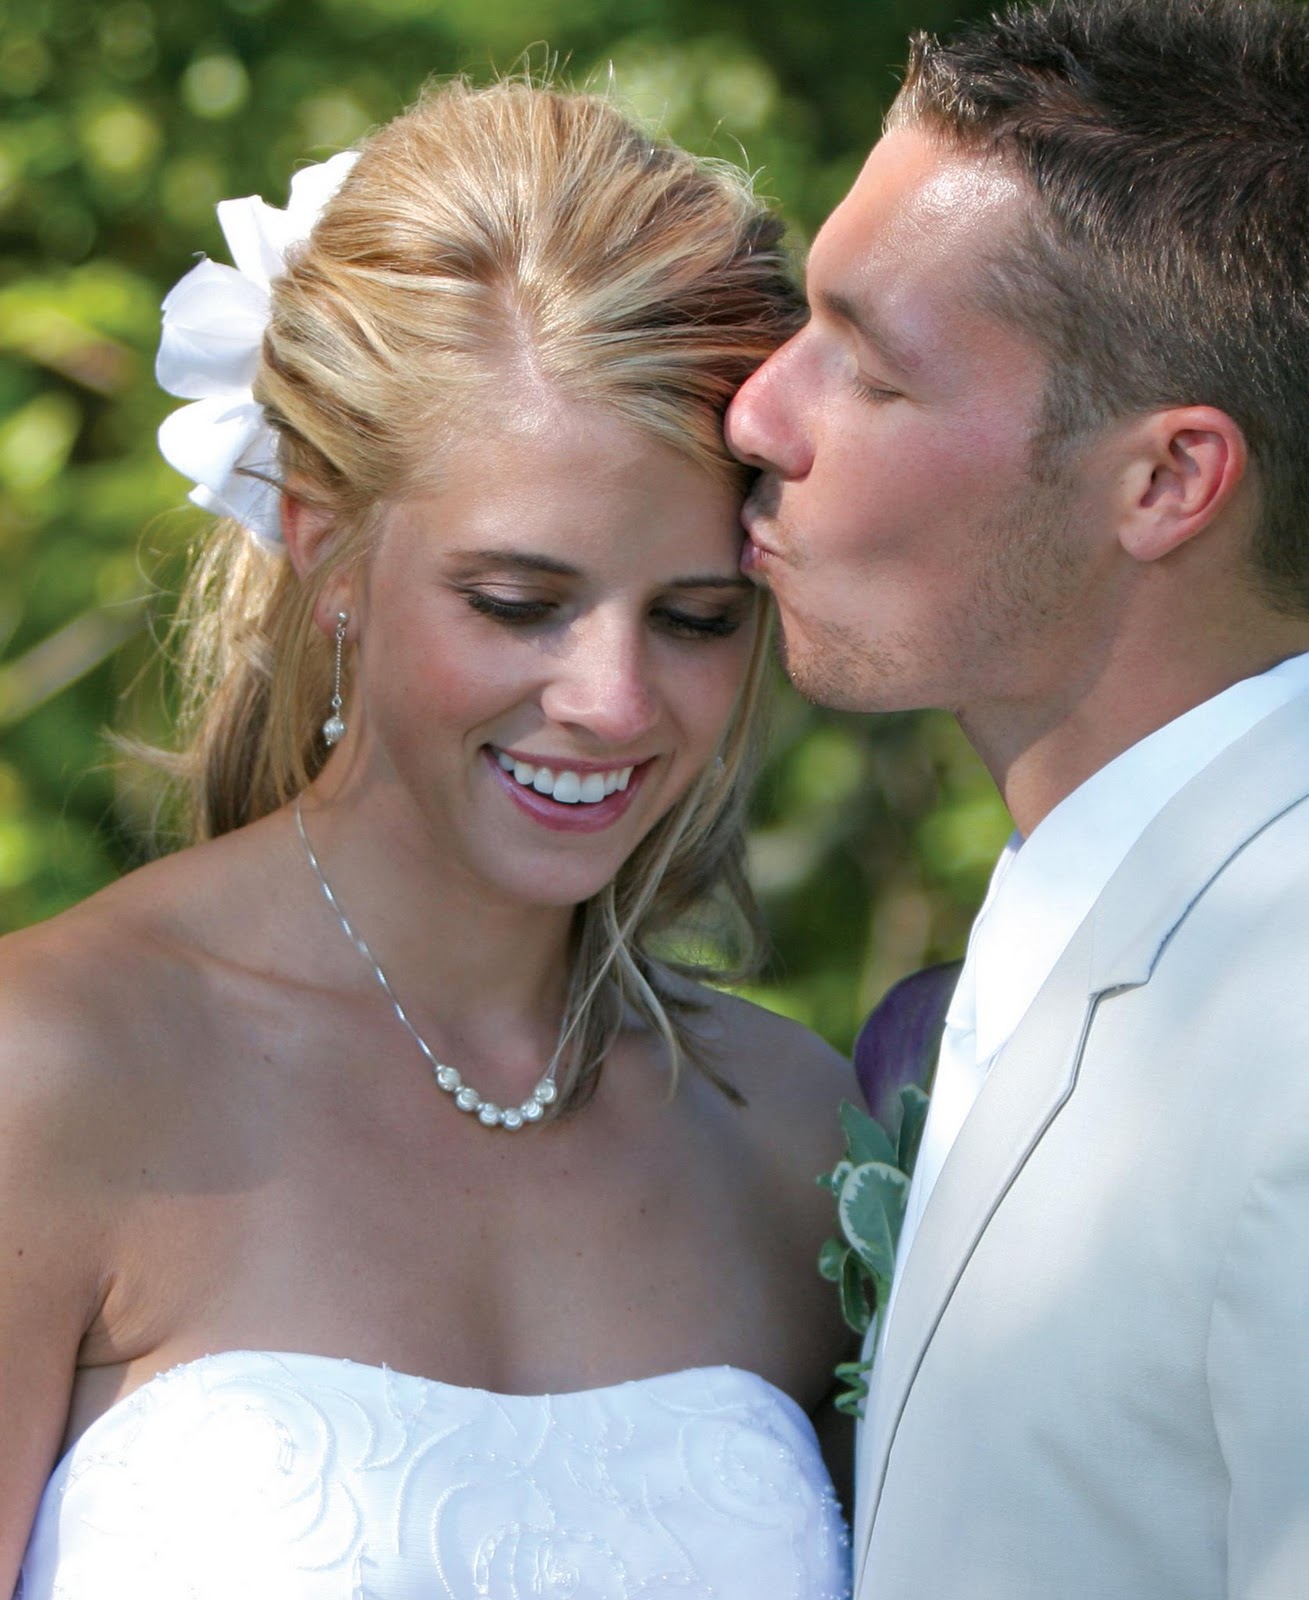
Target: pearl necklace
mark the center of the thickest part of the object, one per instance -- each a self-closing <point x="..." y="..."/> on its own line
<point x="450" y="1079"/>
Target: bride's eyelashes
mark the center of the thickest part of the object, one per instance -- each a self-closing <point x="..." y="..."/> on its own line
<point x="520" y="612"/>
<point x="719" y="623"/>
<point x="699" y="625"/>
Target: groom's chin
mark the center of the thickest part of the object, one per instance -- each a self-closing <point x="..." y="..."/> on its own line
<point x="833" y="670"/>
<point x="816" y="674"/>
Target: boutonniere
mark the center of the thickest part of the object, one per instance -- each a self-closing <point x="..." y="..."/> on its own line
<point x="870" y="1184"/>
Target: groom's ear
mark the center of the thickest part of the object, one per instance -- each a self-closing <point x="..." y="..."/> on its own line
<point x="1184" y="467"/>
<point x="307" y="529"/>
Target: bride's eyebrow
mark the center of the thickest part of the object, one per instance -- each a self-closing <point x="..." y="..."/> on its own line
<point x="711" y="580"/>
<point x="530" y="561"/>
<point x="524" y="560"/>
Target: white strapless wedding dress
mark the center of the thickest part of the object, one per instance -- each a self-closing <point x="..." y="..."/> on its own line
<point x="257" y="1476"/>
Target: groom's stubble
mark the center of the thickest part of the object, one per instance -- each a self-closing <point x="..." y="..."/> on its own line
<point x="1026" y="591"/>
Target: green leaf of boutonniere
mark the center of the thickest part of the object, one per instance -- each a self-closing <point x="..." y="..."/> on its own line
<point x="854" y="1374"/>
<point x="871" y="1185"/>
<point x="870" y="1209"/>
<point x="913" y="1115"/>
<point x="865" y="1138"/>
<point x="856" y="1303"/>
<point x="831" y="1260"/>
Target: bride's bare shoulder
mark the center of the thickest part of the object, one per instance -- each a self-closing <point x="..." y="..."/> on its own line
<point x="793" y="1081"/>
<point x="79" y="1091"/>
<point x="75" y="991"/>
<point x="93" y="997"/>
<point x="94" y="1057"/>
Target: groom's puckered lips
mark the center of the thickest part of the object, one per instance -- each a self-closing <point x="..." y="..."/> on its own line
<point x="761" y="506"/>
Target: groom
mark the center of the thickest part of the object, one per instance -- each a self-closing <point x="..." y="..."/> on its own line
<point x="1041" y="458"/>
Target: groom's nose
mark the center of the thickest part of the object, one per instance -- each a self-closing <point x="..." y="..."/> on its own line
<point x="763" y="426"/>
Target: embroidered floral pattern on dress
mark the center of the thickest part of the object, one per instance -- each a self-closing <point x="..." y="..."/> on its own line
<point x="293" y="1477"/>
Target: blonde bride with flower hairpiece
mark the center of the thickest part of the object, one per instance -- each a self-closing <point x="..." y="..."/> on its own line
<point x="387" y="1208"/>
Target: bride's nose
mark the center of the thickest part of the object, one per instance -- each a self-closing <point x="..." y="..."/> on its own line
<point x="604" y="684"/>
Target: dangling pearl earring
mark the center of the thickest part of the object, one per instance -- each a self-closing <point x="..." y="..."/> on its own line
<point x="334" y="727"/>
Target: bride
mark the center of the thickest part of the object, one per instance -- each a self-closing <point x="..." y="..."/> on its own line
<point x="387" y="1211"/>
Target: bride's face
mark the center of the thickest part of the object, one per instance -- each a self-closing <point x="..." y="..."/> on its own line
<point x="550" y="645"/>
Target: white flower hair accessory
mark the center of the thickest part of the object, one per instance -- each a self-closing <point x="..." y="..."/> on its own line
<point x="214" y="321"/>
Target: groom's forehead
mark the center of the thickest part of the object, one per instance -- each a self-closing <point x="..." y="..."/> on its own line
<point x="917" y="200"/>
<point x="917" y="228"/>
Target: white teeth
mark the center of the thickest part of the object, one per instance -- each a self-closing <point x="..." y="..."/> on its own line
<point x="567" y="787"/>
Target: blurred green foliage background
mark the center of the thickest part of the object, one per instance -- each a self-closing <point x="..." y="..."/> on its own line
<point x="123" y="122"/>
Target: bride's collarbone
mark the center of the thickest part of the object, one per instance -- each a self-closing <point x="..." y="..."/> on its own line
<point x="472" y="1235"/>
<point x="258" y="1155"/>
<point x="296" y="1192"/>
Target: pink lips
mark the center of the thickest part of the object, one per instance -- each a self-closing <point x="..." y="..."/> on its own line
<point x="550" y="813"/>
<point x="754" y="555"/>
<point x="752" y="560"/>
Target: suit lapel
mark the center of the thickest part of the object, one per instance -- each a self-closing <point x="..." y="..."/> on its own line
<point x="1021" y="1096"/>
<point x="1244" y="789"/>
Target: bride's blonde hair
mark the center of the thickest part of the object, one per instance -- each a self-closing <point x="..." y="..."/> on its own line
<point x="484" y="228"/>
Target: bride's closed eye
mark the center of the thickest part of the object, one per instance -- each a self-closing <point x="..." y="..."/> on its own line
<point x="521" y="613"/>
<point x="678" y="621"/>
<point x="719" y="624"/>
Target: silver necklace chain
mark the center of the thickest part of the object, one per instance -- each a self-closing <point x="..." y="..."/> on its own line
<point x="448" y="1078"/>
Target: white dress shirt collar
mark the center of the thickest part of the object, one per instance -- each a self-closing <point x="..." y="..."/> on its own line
<point x="1044" y="886"/>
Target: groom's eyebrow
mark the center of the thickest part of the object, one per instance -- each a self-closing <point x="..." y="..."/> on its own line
<point x="868" y="326"/>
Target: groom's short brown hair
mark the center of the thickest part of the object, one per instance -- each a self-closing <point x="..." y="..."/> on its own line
<point x="1166" y="259"/>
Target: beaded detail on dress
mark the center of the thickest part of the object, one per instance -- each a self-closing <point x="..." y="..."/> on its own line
<point x="297" y="1477"/>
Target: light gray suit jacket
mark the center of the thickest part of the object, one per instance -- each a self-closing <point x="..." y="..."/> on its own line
<point x="1095" y="1385"/>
